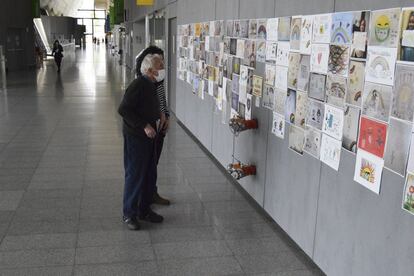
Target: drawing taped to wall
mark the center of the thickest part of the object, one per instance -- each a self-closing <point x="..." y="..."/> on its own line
<point x="283" y="33"/>
<point x="282" y="55"/>
<point x="270" y="74"/>
<point x="233" y="46"/>
<point x="250" y="53"/>
<point x="293" y="69"/>
<point x="408" y="197"/>
<point x="338" y="60"/>
<point x="410" y="165"/>
<point x="296" y="139"/>
<point x="261" y="51"/>
<point x="244" y="28"/>
<point x="350" y="131"/>
<point x="281" y="78"/>
<point x="315" y="113"/>
<point x="407" y="29"/>
<point x="330" y="153"/>
<point x="248" y="111"/>
<point x="304" y="72"/>
<point x="398" y="145"/>
<point x="240" y="48"/>
<point x="335" y="90"/>
<point x="268" y="96"/>
<point x="301" y="108"/>
<point x="295" y="30"/>
<point x="271" y="51"/>
<point x="381" y="65"/>
<point x="320" y="58"/>
<point x="280" y="101"/>
<point x="333" y="122"/>
<point x="306" y="35"/>
<point x="312" y="142"/>
<point x="322" y="28"/>
<point x="261" y="28"/>
<point x="376" y="101"/>
<point x="372" y="136"/>
<point x="278" y="125"/>
<point x="341" y="31"/>
<point x="272" y="27"/>
<point x="252" y="29"/>
<point x="229" y="28"/>
<point x="317" y="84"/>
<point x="360" y="34"/>
<point x="403" y="102"/>
<point x="368" y="171"/>
<point x="385" y="27"/>
<point x="236" y="65"/>
<point x="355" y="83"/>
<point x="257" y="86"/>
<point x="290" y="107"/>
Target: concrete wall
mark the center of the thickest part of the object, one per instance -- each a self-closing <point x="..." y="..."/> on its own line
<point x="343" y="227"/>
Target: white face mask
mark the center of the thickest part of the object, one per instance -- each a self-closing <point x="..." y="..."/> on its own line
<point x="161" y="75"/>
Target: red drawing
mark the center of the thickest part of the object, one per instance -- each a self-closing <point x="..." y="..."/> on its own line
<point x="372" y="136"/>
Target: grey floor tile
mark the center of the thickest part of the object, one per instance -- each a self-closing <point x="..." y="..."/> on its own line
<point x="200" y="266"/>
<point x="149" y="268"/>
<point x="34" y="258"/>
<point x="9" y="200"/>
<point x="246" y="231"/>
<point x="258" y="246"/>
<point x="38" y="271"/>
<point x="196" y="249"/>
<point x="39" y="241"/>
<point x="114" y="254"/>
<point x="117" y="238"/>
<point x="184" y="234"/>
<point x="28" y="227"/>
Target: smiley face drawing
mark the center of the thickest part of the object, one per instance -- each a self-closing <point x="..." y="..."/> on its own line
<point x="382" y="28"/>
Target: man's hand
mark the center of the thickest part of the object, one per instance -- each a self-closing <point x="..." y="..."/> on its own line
<point x="164" y="122"/>
<point x="166" y="125"/>
<point x="150" y="131"/>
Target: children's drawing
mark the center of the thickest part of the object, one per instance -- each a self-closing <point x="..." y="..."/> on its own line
<point x="304" y="72"/>
<point x="312" y="142"/>
<point x="261" y="51"/>
<point x="350" y="131"/>
<point x="322" y="28"/>
<point x="317" y="83"/>
<point x="336" y="90"/>
<point x="381" y="65"/>
<point x="315" y="113"/>
<point x="272" y="28"/>
<point x="333" y="123"/>
<point x="301" y="108"/>
<point x="278" y="125"/>
<point x="261" y="29"/>
<point x="403" y="102"/>
<point x="320" y="58"/>
<point x="296" y="138"/>
<point x="293" y="70"/>
<point x="283" y="33"/>
<point x="355" y="83"/>
<point x="306" y="35"/>
<point x="368" y="170"/>
<point x="295" y="31"/>
<point x="376" y="101"/>
<point x="271" y="51"/>
<point x="281" y="78"/>
<point x="338" y="60"/>
<point x="280" y="101"/>
<point x="290" y="108"/>
<point x="384" y="27"/>
<point x="330" y="151"/>
<point x="268" y="97"/>
<point x="341" y="32"/>
<point x="372" y="136"/>
<point x="282" y="56"/>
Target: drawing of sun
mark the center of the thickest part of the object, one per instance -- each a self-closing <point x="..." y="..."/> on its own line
<point x="367" y="171"/>
<point x="382" y="28"/>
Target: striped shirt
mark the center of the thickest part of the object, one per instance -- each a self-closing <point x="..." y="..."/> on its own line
<point x="162" y="98"/>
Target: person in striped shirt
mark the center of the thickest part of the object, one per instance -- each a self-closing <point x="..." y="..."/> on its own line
<point x="164" y="121"/>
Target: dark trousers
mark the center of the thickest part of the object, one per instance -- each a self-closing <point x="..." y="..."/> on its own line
<point x="140" y="175"/>
<point x="58" y="62"/>
<point x="159" y="142"/>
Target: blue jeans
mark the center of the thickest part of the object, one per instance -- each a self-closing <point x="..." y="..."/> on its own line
<point x="140" y="175"/>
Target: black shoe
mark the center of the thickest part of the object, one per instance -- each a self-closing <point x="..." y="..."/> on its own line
<point x="152" y="217"/>
<point x="132" y="223"/>
<point x="157" y="199"/>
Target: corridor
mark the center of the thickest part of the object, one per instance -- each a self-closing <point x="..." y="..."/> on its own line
<point x="61" y="185"/>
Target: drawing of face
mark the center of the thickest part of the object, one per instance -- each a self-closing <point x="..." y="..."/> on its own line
<point x="362" y="25"/>
<point x="410" y="25"/>
<point x="382" y="28"/>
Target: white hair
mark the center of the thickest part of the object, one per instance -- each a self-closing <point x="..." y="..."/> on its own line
<point x="149" y="62"/>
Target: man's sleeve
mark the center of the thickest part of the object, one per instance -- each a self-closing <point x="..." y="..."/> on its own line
<point x="162" y="99"/>
<point x="128" y="107"/>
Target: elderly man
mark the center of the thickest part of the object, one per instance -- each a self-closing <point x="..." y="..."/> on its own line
<point x="140" y="111"/>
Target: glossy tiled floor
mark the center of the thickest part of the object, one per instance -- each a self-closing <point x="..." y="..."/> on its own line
<point x="61" y="180"/>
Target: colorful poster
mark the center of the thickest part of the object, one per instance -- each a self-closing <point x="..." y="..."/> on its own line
<point x="398" y="146"/>
<point x="381" y="65"/>
<point x="350" y="132"/>
<point x="250" y="53"/>
<point x="333" y="122"/>
<point x="261" y="51"/>
<point x="304" y="72"/>
<point x="384" y="27"/>
<point x="272" y="27"/>
<point x="301" y="106"/>
<point x="322" y="28"/>
<point x="403" y="102"/>
<point x="317" y="84"/>
<point x="270" y="74"/>
<point x="407" y="29"/>
<point x="335" y="90"/>
<point x="280" y="101"/>
<point x="281" y="78"/>
<point x="368" y="171"/>
<point x="290" y="107"/>
<point x="296" y="139"/>
<point x="295" y="31"/>
<point x="408" y="198"/>
<point x="268" y="97"/>
<point x="360" y="34"/>
<point x="306" y="35"/>
<point x="271" y="51"/>
<point x="372" y="136"/>
<point x="341" y="32"/>
<point x="320" y="58"/>
<point x="197" y="31"/>
<point x="355" y="83"/>
<point x="338" y="60"/>
<point x="315" y="113"/>
<point x="252" y="29"/>
<point x="293" y="70"/>
<point x="282" y="56"/>
<point x="261" y="29"/>
<point x="312" y="142"/>
<point x="278" y="125"/>
<point x="330" y="151"/>
<point x="376" y="101"/>
<point x="283" y="33"/>
<point x="257" y="86"/>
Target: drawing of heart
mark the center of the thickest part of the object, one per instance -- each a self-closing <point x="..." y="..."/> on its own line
<point x="319" y="57"/>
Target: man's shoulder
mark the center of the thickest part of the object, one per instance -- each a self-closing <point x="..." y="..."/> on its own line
<point x="140" y="82"/>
